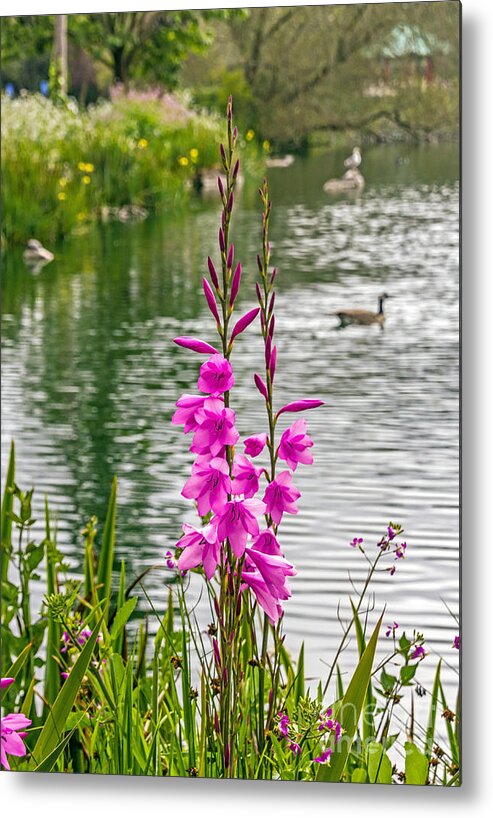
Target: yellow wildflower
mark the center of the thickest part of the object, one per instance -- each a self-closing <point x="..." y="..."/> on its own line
<point x="63" y="181"/>
<point x="266" y="145"/>
<point x="249" y="135"/>
<point x="183" y="161"/>
<point x="89" y="167"/>
<point x="82" y="166"/>
<point x="62" y="196"/>
<point x="194" y="154"/>
<point x="86" y="180"/>
<point x="142" y="143"/>
<point x="81" y="217"/>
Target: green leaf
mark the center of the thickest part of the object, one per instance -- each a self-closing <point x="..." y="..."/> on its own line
<point x="359" y="776"/>
<point x="407" y="673"/>
<point x="350" y="710"/>
<point x="7" y="508"/>
<point x="370" y="703"/>
<point x="387" y="681"/>
<point x="430" y="731"/>
<point x="379" y="765"/>
<point x="416" y="765"/>
<point x="19" y="663"/>
<point x="299" y="690"/>
<point x="122" y="616"/>
<point x="54" y="725"/>
<point x="105" y="562"/>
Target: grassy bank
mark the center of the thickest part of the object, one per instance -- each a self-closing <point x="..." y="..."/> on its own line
<point x="62" y="167"/>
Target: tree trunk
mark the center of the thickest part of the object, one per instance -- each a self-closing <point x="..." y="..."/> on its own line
<point x="60" y="52"/>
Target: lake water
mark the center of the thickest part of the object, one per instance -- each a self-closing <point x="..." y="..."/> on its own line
<point x="90" y="378"/>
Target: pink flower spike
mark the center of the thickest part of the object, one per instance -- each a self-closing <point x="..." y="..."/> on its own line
<point x="222" y="245"/>
<point x="220" y="186"/>
<point x="235" y="284"/>
<point x="268" y="350"/>
<point x="261" y="386"/>
<point x="209" y="485"/>
<point x="237" y="166"/>
<point x="211" y="301"/>
<point x="245" y="476"/>
<point x="272" y="325"/>
<point x="195" y="344"/>
<point x="239" y="519"/>
<point x="294" y="445"/>
<point x="244" y="322"/>
<point x="216" y="375"/>
<point x="6" y="682"/>
<point x="324" y="757"/>
<point x="213" y="273"/>
<point x="280" y="496"/>
<point x="231" y="255"/>
<point x="255" y="444"/>
<point x="300" y="406"/>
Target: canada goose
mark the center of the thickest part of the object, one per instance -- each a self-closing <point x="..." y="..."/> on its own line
<point x="353" y="161"/>
<point x="36" y="256"/>
<point x="364" y="317"/>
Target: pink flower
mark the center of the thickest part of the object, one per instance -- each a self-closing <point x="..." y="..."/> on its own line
<point x="284" y="723"/>
<point x="216" y="375"/>
<point x="268" y="603"/>
<point x="294" y="444"/>
<point x="267" y="543"/>
<point x="11" y="739"/>
<point x="200" y="546"/>
<point x="255" y="444"/>
<point x="324" y="757"/>
<point x="274" y="570"/>
<point x="215" y="429"/>
<point x="245" y="476"/>
<point x="237" y="520"/>
<point x="6" y="682"/>
<point x="418" y="652"/>
<point x="456" y="644"/>
<point x="244" y="322"/>
<point x="209" y="485"/>
<point x="295" y="748"/>
<point x="195" y="344"/>
<point x="280" y="496"/>
<point x="185" y="415"/>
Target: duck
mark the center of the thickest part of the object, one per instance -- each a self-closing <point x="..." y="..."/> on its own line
<point x="280" y="161"/>
<point x="353" y="161"/>
<point x="35" y="255"/>
<point x="363" y="317"/>
<point x="351" y="180"/>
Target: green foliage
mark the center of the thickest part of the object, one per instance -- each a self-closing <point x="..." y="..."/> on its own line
<point x="62" y="168"/>
<point x="416" y="765"/>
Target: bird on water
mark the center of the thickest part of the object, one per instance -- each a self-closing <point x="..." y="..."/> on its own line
<point x="363" y="317"/>
<point x="36" y="256"/>
<point x="353" y="161"/>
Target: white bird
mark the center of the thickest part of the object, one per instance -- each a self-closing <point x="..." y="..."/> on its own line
<point x="353" y="161"/>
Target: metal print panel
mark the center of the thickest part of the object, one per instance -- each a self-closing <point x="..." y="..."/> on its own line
<point x="230" y="381"/>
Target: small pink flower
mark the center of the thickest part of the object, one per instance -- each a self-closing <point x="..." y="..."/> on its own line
<point x="280" y="496"/>
<point x="185" y="415"/>
<point x="267" y="542"/>
<point x="196" y="345"/>
<point x="245" y="476"/>
<point x="255" y="444"/>
<point x="273" y="570"/>
<point x="209" y="485"/>
<point x="391" y="629"/>
<point x="215" y="428"/>
<point x="268" y="601"/>
<point x="6" y="682"/>
<point x="295" y="748"/>
<point x="237" y="520"/>
<point x="324" y="757"/>
<point x="216" y="375"/>
<point x="418" y="652"/>
<point x="11" y="739"/>
<point x="294" y="445"/>
<point x="456" y="644"/>
<point x="200" y="546"/>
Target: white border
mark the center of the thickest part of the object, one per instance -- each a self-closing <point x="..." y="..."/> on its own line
<point x="73" y="796"/>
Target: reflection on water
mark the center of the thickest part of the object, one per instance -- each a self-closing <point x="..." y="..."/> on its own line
<point x="90" y="378"/>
